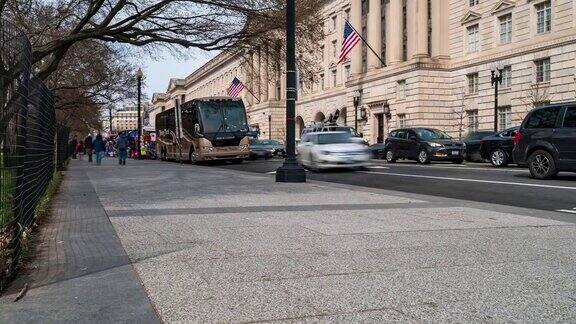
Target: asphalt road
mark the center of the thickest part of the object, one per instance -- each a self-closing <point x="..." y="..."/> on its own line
<point x="474" y="182"/>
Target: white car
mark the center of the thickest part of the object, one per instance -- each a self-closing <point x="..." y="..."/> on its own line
<point x="325" y="150"/>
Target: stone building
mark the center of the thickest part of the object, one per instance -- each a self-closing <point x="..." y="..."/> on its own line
<point x="436" y="71"/>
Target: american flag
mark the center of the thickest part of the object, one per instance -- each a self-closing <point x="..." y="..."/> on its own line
<point x="235" y="88"/>
<point x="351" y="38"/>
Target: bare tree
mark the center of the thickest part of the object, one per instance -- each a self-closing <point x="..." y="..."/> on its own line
<point x="460" y="112"/>
<point x="535" y="95"/>
<point x="56" y="26"/>
<point x="77" y="44"/>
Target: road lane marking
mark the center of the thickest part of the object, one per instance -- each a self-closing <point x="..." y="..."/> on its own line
<point x="378" y="167"/>
<point x="567" y="211"/>
<point x="471" y="180"/>
<point x="460" y="168"/>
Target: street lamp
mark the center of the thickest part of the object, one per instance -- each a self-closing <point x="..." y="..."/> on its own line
<point x="291" y="171"/>
<point x="139" y="75"/>
<point x="356" y="104"/>
<point x="496" y="79"/>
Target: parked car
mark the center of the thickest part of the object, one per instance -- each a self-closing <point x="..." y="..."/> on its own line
<point x="377" y="151"/>
<point x="265" y="149"/>
<point x="324" y="150"/>
<point x="472" y="141"/>
<point x="423" y="145"/>
<point x="546" y="141"/>
<point x="498" y="148"/>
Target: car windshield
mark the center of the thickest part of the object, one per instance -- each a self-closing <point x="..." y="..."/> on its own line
<point x="431" y="134"/>
<point x="334" y="138"/>
<point x="223" y="116"/>
<point x="344" y="129"/>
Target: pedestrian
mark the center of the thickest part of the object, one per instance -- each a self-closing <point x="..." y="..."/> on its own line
<point x="73" y="147"/>
<point x="122" y="146"/>
<point x="99" y="149"/>
<point x="80" y="150"/>
<point x="88" y="147"/>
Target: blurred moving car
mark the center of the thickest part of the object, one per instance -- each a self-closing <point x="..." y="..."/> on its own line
<point x="423" y="145"/>
<point x="546" y="140"/>
<point x="377" y="151"/>
<point x="331" y="127"/>
<point x="472" y="141"/>
<point x="324" y="150"/>
<point x="266" y="149"/>
<point x="498" y="148"/>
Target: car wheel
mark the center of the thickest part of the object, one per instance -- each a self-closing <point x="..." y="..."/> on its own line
<point x="499" y="158"/>
<point x="542" y="165"/>
<point x="390" y="156"/>
<point x="423" y="157"/>
<point x="192" y="157"/>
<point x="313" y="164"/>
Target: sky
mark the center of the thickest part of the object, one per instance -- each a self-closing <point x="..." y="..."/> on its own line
<point x="159" y="71"/>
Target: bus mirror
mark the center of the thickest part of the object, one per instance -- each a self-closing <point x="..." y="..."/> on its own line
<point x="197" y="129"/>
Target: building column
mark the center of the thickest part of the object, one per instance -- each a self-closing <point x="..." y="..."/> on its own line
<point x="265" y="75"/>
<point x="374" y="33"/>
<point x="356" y="21"/>
<point x="417" y="28"/>
<point x="440" y="21"/>
<point x="394" y="31"/>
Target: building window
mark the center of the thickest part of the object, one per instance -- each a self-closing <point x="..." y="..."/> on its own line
<point x="472" y="83"/>
<point x="504" y="118"/>
<point x="543" y="17"/>
<point x="334" y="49"/>
<point x="506" y="29"/>
<point x="321" y="81"/>
<point x="542" y="70"/>
<point x="347" y="14"/>
<point x="401" y="120"/>
<point x="473" y="3"/>
<point x="322" y="54"/>
<point x="472" y="120"/>
<point x="507" y="76"/>
<point x="401" y="89"/>
<point x="473" y="38"/>
<point x="364" y="50"/>
<point x="334" y="80"/>
<point x="346" y="72"/>
<point x="334" y="23"/>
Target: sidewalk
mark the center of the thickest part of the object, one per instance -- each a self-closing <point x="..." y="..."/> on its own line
<point x="212" y="245"/>
<point x="82" y="273"/>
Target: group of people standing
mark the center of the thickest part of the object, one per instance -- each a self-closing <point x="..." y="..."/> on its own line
<point x="90" y="147"/>
<point x="98" y="147"/>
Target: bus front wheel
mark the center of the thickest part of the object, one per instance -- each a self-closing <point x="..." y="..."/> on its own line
<point x="192" y="157"/>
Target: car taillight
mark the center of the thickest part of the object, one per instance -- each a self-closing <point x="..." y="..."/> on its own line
<point x="517" y="138"/>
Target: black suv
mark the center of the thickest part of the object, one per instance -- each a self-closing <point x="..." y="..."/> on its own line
<point x="423" y="145"/>
<point x="546" y="141"/>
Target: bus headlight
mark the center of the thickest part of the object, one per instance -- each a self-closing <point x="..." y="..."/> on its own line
<point x="207" y="148"/>
<point x="243" y="147"/>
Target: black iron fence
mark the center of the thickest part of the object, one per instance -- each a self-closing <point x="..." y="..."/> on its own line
<point x="29" y="147"/>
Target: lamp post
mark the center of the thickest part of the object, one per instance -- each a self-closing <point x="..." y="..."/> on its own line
<point x="496" y="79"/>
<point x="356" y="104"/>
<point x="290" y="171"/>
<point x="139" y="76"/>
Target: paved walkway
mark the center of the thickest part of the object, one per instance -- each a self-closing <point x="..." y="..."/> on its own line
<point x="212" y="245"/>
<point x="82" y="273"/>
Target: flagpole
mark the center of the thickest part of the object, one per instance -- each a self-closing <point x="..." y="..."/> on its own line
<point x="248" y="89"/>
<point x="365" y="42"/>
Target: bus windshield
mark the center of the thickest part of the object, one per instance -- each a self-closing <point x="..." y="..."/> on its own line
<point x="223" y="116"/>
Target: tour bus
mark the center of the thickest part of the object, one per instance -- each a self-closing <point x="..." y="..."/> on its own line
<point x="204" y="129"/>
